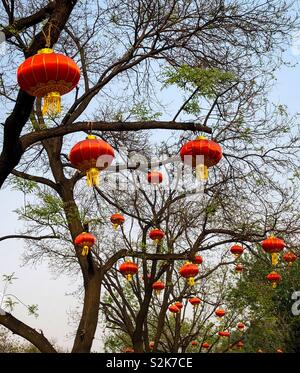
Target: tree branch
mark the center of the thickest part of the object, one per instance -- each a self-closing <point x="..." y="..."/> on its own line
<point x="28" y="237"/>
<point x="25" y="331"/>
<point x="37" y="136"/>
<point x="26" y="22"/>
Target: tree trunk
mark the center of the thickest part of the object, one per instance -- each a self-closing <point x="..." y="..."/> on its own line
<point x="89" y="318"/>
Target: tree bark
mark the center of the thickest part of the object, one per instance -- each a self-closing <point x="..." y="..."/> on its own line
<point x="18" y="327"/>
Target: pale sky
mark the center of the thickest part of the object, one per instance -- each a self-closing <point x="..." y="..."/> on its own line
<point x="38" y="286"/>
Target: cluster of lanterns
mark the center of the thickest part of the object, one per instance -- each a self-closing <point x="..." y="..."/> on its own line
<point x="50" y="75"/>
<point x="273" y="246"/>
<point x="237" y="251"/>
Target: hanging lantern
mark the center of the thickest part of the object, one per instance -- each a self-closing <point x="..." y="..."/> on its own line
<point x="205" y="345"/>
<point x="210" y="151"/>
<point x="117" y="220"/>
<point x="273" y="246"/>
<point x="151" y="345"/>
<point x="91" y="156"/>
<point x="241" y="326"/>
<point x="158" y="286"/>
<point x="195" y="301"/>
<point x="85" y="241"/>
<point x="173" y="309"/>
<point x="156" y="235"/>
<point x="224" y="334"/>
<point x="194" y="343"/>
<point x="236" y="250"/>
<point x="239" y="268"/>
<point x="154" y="177"/>
<point x="179" y="305"/>
<point x="240" y="345"/>
<point x="50" y="75"/>
<point x="128" y="269"/>
<point x="289" y="257"/>
<point x="189" y="271"/>
<point x="128" y="350"/>
<point x="274" y="278"/>
<point x="198" y="259"/>
<point x="220" y="313"/>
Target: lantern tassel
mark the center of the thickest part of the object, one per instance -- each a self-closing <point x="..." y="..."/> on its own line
<point x="129" y="277"/>
<point x="274" y="285"/>
<point x="274" y="259"/>
<point x="85" y="251"/>
<point x="52" y="104"/>
<point x="92" y="177"/>
<point x="191" y="281"/>
<point x="115" y="226"/>
<point x="201" y="172"/>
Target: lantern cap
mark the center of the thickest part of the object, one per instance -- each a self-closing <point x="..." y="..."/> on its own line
<point x="201" y="137"/>
<point x="45" y="51"/>
<point x="90" y="137"/>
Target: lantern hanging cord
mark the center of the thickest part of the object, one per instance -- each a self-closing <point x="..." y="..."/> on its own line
<point x="48" y="37"/>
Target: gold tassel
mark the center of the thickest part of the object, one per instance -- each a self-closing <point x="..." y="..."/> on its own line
<point x="274" y="285"/>
<point x="85" y="251"/>
<point x="129" y="277"/>
<point x="290" y="264"/>
<point x="52" y="104"/>
<point x="115" y="226"/>
<point x="92" y="177"/>
<point x="191" y="281"/>
<point x="201" y="172"/>
<point x="274" y="259"/>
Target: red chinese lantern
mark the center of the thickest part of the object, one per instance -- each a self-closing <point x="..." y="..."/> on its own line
<point x="220" y="313"/>
<point x="117" y="220"/>
<point x="273" y="246"/>
<point x="289" y="257"/>
<point x="239" y="268"/>
<point x="205" y="345"/>
<point x="179" y="305"/>
<point x="201" y="154"/>
<point x="128" y="350"/>
<point x="154" y="177"/>
<point x="236" y="250"/>
<point x="274" y="278"/>
<point x="151" y="345"/>
<point x="174" y="309"/>
<point x="189" y="271"/>
<point x="195" y="301"/>
<point x="194" y="343"/>
<point x="50" y="75"/>
<point x="156" y="235"/>
<point x="158" y="286"/>
<point x="198" y="259"/>
<point x="224" y="334"/>
<point x="91" y="156"/>
<point x="85" y="241"/>
<point x="240" y="326"/>
<point x="128" y="269"/>
<point x="240" y="344"/>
